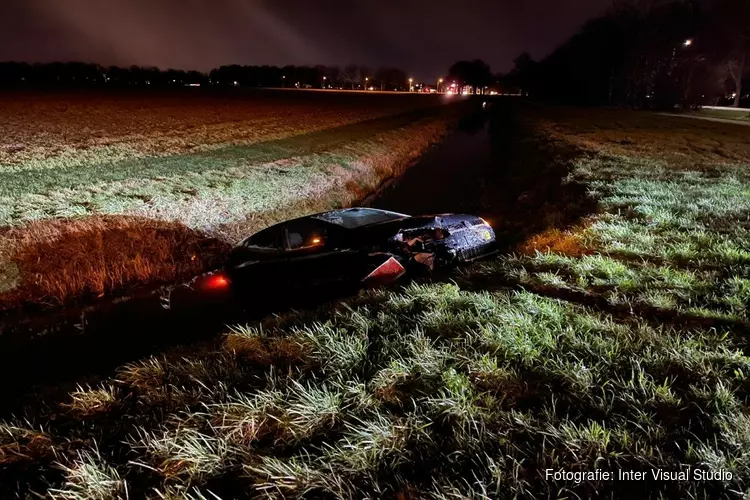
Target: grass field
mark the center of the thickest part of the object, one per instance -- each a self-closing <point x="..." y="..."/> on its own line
<point x="102" y="192"/>
<point x="618" y="342"/>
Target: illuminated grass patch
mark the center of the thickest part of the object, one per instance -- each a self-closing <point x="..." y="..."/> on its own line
<point x="530" y="374"/>
<point x="675" y="241"/>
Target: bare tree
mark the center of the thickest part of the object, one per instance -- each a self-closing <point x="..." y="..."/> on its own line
<point x="731" y="28"/>
<point x="381" y="77"/>
<point x="736" y="65"/>
<point x="350" y="74"/>
<point x="365" y="75"/>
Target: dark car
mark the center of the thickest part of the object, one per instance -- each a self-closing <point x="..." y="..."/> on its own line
<point x="350" y="249"/>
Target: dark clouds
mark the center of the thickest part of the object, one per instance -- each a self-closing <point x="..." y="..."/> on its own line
<point x="421" y="36"/>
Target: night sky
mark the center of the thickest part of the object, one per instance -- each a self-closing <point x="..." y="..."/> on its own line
<point x="421" y="37"/>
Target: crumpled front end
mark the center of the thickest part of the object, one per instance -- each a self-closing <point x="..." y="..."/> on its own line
<point x="446" y="240"/>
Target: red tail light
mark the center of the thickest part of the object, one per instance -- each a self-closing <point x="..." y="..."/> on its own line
<point x="217" y="281"/>
<point x="387" y="272"/>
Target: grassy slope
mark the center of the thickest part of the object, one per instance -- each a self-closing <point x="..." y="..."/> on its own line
<point x="465" y="389"/>
<point x="65" y="225"/>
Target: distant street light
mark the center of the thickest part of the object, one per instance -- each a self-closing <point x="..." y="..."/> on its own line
<point x="283" y="81"/>
<point x="366" y="80"/>
<point x="410" y="87"/>
<point x="440" y="80"/>
<point x="686" y="43"/>
<point x="324" y="82"/>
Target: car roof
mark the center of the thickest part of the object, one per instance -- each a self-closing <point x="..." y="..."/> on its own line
<point x="356" y="217"/>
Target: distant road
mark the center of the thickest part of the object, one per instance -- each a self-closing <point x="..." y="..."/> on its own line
<point x="709" y="118"/>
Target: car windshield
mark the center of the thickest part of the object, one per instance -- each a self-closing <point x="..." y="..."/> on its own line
<point x="352" y="218"/>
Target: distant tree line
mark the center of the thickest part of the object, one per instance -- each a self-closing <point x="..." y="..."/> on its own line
<point x="475" y="74"/>
<point x="77" y="74"/>
<point x="351" y="77"/>
<point x="649" y="53"/>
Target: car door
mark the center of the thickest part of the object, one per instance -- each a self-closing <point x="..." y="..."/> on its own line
<point x="317" y="256"/>
<point x="259" y="265"/>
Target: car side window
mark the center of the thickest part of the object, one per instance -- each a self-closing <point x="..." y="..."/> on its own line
<point x="268" y="239"/>
<point x="305" y="233"/>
